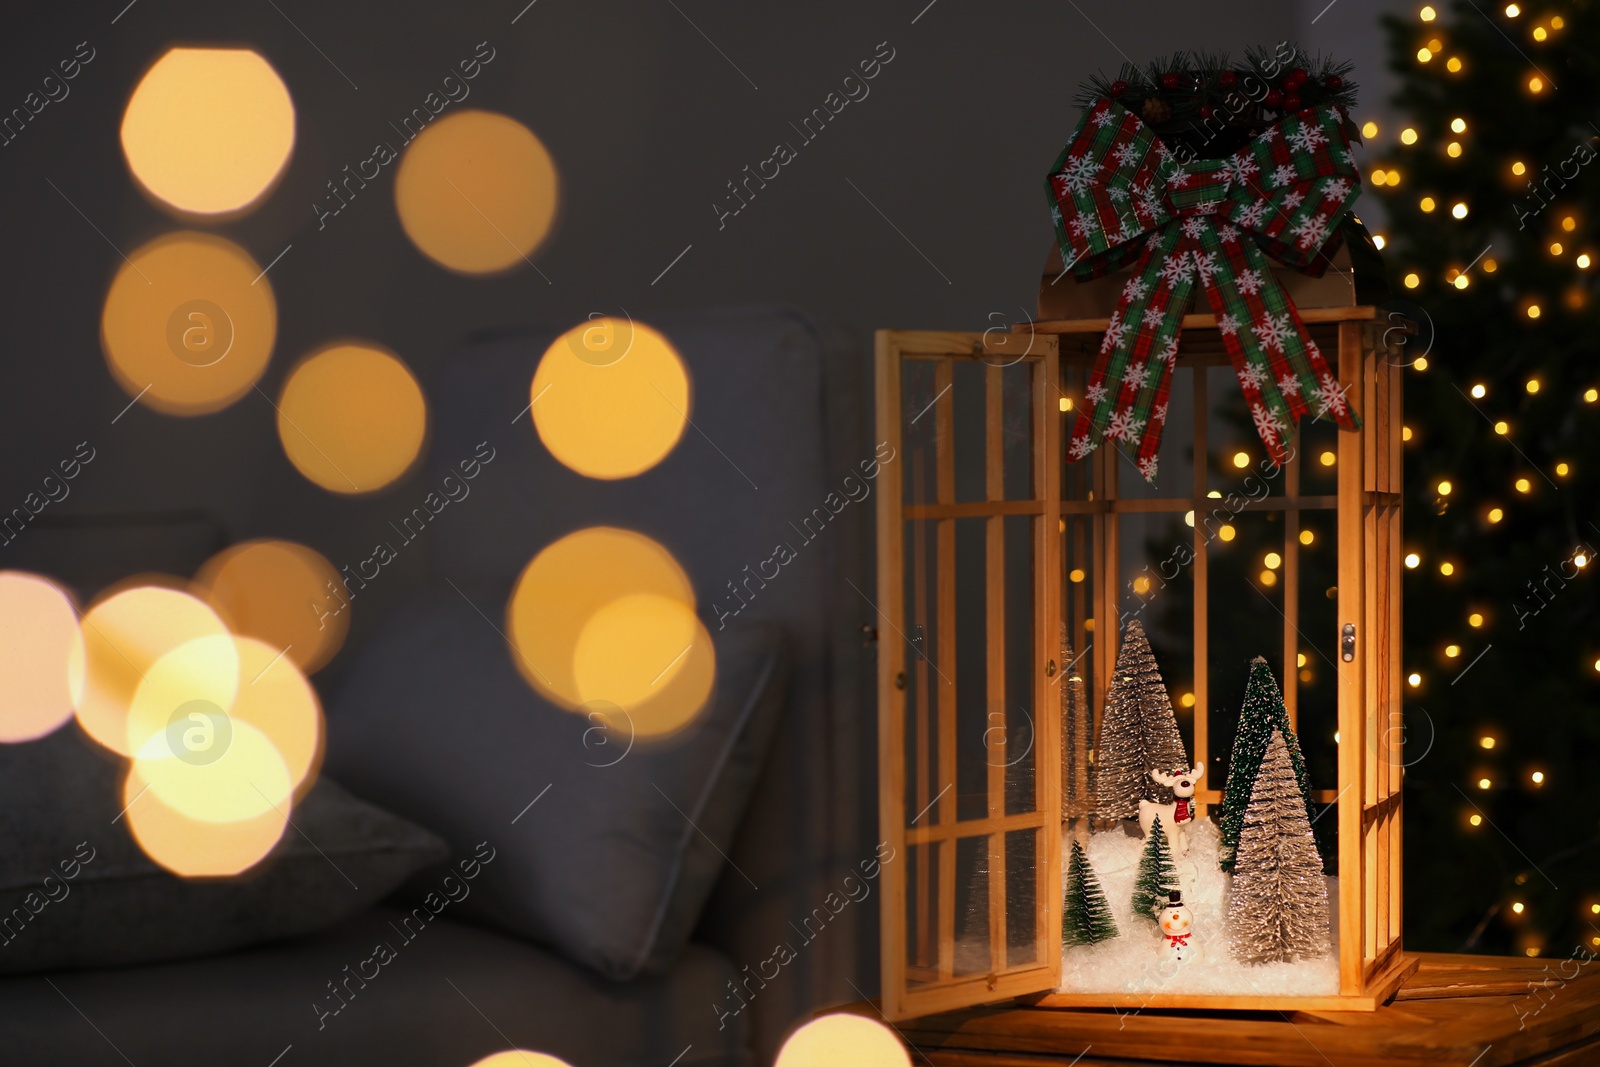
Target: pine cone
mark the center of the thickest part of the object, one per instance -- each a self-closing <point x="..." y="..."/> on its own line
<point x="1156" y="110"/>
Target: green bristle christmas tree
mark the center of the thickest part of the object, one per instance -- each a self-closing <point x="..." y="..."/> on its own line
<point x="1138" y="733"/>
<point x="1261" y="714"/>
<point x="1278" y="903"/>
<point x="1157" y="877"/>
<point x="1085" y="913"/>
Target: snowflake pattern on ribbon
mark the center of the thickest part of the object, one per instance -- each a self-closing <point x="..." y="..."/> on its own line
<point x="1213" y="224"/>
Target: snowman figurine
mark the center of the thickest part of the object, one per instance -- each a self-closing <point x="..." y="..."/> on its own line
<point x="1177" y="930"/>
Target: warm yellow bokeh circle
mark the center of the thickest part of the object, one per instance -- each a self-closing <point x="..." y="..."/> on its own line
<point x="843" y="1041"/>
<point x="607" y="616"/>
<point x="566" y="584"/>
<point x="208" y="130"/>
<point x="476" y="192"/>
<point x="188" y="323"/>
<point x="352" y="417"/>
<point x="191" y="701"/>
<point x="196" y="848"/>
<point x="247" y="780"/>
<point x="520" y="1058"/>
<point x="40" y="646"/>
<point x="610" y="398"/>
<point x="282" y="593"/>
<point x="125" y="633"/>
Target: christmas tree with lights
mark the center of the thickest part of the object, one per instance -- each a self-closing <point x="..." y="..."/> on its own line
<point x="1491" y="192"/>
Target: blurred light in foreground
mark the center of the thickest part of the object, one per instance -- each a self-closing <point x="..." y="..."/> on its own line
<point x="610" y="398"/>
<point x="476" y="192"/>
<point x="275" y="698"/>
<point x="124" y="634"/>
<point x="520" y="1058"/>
<point x="208" y="130"/>
<point x="273" y="590"/>
<point x="352" y="418"/>
<point x="193" y="701"/>
<point x="196" y="849"/>
<point x="188" y="324"/>
<point x="187" y="691"/>
<point x="843" y="1041"/>
<point x="608" y="615"/>
<point x="246" y="780"/>
<point x="39" y="644"/>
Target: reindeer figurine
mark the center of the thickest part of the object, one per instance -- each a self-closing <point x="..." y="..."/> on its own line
<point x="1177" y="816"/>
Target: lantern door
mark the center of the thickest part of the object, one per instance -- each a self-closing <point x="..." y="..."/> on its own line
<point x="969" y="668"/>
<point x="1371" y="760"/>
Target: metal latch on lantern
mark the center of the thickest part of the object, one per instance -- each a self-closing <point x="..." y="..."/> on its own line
<point x="1347" y="642"/>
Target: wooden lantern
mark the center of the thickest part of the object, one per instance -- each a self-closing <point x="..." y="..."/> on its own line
<point x="990" y="547"/>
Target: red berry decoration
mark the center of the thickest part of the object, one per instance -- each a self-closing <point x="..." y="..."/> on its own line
<point x="1333" y="81"/>
<point x="1296" y="78"/>
<point x="1228" y="79"/>
<point x="1206" y="111"/>
<point x="1291" y="102"/>
<point x="1273" y="99"/>
<point x="1119" y="88"/>
<point x="1171" y="80"/>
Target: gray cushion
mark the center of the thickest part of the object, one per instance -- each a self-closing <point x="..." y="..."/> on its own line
<point x="58" y="797"/>
<point x="613" y="864"/>
<point x="451" y="996"/>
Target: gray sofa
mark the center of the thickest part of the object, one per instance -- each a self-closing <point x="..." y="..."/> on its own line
<point x="777" y="423"/>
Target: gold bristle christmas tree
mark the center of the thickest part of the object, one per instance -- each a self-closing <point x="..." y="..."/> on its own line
<point x="1278" y="909"/>
<point x="1138" y="733"/>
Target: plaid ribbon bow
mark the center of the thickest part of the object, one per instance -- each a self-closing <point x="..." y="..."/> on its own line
<point x="1119" y="195"/>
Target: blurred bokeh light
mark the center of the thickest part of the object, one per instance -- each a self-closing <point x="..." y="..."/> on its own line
<point x="608" y="615"/>
<point x="196" y="849"/>
<point x="208" y="130"/>
<point x="245" y="779"/>
<point x="843" y="1041"/>
<point x="520" y="1058"/>
<point x="188" y="324"/>
<point x="125" y="632"/>
<point x="278" y="592"/>
<point x="610" y="398"/>
<point x="476" y="192"/>
<point x="352" y="417"/>
<point x="39" y="645"/>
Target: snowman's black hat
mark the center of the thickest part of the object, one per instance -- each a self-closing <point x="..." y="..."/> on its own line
<point x="1175" y="899"/>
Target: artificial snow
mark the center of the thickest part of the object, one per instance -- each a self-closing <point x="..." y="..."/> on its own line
<point x="1136" y="961"/>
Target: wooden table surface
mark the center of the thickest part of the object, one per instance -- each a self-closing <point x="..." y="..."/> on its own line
<point x="1471" y="1011"/>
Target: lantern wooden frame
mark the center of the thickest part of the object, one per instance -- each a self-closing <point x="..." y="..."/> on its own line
<point x="917" y="705"/>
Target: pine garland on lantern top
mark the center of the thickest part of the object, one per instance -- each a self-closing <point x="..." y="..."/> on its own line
<point x="1209" y="105"/>
<point x="1076" y="739"/>
<point x="1157" y="879"/>
<point x="1085" y="912"/>
<point x="1138" y="733"/>
<point x="1278" y="906"/>
<point x="1260" y="716"/>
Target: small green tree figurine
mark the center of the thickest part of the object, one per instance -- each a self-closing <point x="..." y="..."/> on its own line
<point x="1085" y="913"/>
<point x="1158" y="876"/>
<point x="1262" y="713"/>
